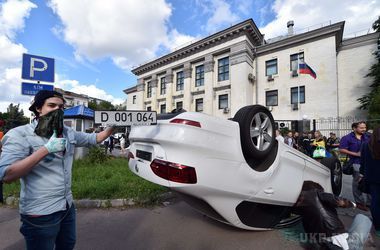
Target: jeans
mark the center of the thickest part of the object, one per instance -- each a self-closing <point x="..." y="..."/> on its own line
<point x="45" y="232"/>
<point x="375" y="204"/>
<point x="359" y="197"/>
<point x="358" y="232"/>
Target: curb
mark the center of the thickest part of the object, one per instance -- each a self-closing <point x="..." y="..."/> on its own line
<point x="97" y="203"/>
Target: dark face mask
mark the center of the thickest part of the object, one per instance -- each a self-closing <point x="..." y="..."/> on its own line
<point x="50" y="122"/>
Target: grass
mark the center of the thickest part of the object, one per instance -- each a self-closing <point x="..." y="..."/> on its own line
<point x="109" y="180"/>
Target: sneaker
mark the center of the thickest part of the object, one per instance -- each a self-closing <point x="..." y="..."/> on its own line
<point x="362" y="207"/>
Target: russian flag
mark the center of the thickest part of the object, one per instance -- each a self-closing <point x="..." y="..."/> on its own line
<point x="306" y="69"/>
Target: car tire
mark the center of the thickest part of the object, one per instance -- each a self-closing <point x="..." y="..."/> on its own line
<point x="335" y="173"/>
<point x="257" y="131"/>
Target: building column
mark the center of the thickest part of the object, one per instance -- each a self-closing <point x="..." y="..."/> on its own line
<point x="140" y="94"/>
<point x="188" y="98"/>
<point x="241" y="65"/>
<point x="170" y="105"/>
<point x="154" y="84"/>
<point x="208" y="101"/>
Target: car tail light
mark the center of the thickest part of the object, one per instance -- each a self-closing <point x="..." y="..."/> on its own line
<point x="186" y="122"/>
<point x="174" y="172"/>
<point x="130" y="156"/>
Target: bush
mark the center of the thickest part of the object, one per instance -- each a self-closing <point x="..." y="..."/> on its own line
<point x="97" y="155"/>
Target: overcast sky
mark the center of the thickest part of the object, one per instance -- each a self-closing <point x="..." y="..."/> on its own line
<point x="95" y="43"/>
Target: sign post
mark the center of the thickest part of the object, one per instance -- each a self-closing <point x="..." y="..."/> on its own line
<point x="36" y="68"/>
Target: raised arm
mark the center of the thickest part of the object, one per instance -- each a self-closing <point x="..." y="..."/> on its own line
<point x="101" y="136"/>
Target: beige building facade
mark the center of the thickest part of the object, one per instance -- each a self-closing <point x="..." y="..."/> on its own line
<point x="236" y="67"/>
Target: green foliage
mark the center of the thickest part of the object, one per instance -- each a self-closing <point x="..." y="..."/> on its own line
<point x="374" y="109"/>
<point x="120" y="107"/>
<point x="376" y="25"/>
<point x="103" y="105"/>
<point x="111" y="180"/>
<point x="374" y="72"/>
<point x="97" y="155"/>
<point x="14" y="117"/>
<point x="12" y="189"/>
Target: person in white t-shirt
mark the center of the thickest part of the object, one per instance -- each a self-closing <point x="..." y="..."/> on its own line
<point x="279" y="136"/>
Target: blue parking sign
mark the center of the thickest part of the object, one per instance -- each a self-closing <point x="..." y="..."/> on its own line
<point x="33" y="88"/>
<point x="37" y="68"/>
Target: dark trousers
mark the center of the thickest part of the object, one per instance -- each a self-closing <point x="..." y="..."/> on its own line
<point x="45" y="232"/>
<point x="375" y="205"/>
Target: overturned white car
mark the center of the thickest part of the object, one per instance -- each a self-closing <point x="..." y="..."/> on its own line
<point x="234" y="171"/>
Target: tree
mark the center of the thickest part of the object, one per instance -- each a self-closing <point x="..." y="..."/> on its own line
<point x="367" y="100"/>
<point x="376" y="25"/>
<point x="14" y="117"/>
<point x="103" y="105"/>
<point x="120" y="107"/>
<point x="374" y="109"/>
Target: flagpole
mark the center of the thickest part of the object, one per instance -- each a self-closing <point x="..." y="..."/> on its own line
<point x="298" y="104"/>
<point x="298" y="92"/>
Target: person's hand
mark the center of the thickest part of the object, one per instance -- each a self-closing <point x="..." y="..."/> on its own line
<point x="111" y="127"/>
<point x="344" y="203"/>
<point x="55" y="144"/>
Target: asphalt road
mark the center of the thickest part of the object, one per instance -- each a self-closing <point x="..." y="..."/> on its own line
<point x="175" y="226"/>
<point x="171" y="226"/>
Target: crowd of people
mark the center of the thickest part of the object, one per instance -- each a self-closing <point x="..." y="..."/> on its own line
<point x="308" y="142"/>
<point x="318" y="209"/>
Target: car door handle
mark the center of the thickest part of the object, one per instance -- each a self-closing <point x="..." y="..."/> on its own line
<point x="269" y="191"/>
<point x="140" y="160"/>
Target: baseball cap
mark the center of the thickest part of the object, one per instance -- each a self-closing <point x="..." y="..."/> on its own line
<point x="40" y="98"/>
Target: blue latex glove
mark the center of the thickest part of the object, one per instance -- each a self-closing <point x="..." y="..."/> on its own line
<point x="55" y="144"/>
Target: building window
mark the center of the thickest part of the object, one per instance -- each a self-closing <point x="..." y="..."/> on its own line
<point x="199" y="75"/>
<point x="223" y="69"/>
<point x="68" y="123"/>
<point x="223" y="101"/>
<point x="134" y="99"/>
<point x="271" y="67"/>
<point x="199" y="105"/>
<point x="180" y="78"/>
<point x="297" y="92"/>
<point x="271" y="98"/>
<point x="163" y="86"/>
<point x="179" y="105"/>
<point x="163" y="109"/>
<point x="78" y="124"/>
<point x="149" y="108"/>
<point x="295" y="59"/>
<point x="149" y="90"/>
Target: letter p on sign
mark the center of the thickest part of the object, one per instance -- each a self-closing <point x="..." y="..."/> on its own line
<point x="37" y="68"/>
<point x="34" y="68"/>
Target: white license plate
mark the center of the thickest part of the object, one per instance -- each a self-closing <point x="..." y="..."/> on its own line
<point x="126" y="118"/>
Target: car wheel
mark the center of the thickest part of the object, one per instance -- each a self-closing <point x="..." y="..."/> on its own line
<point x="335" y="172"/>
<point x="257" y="133"/>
